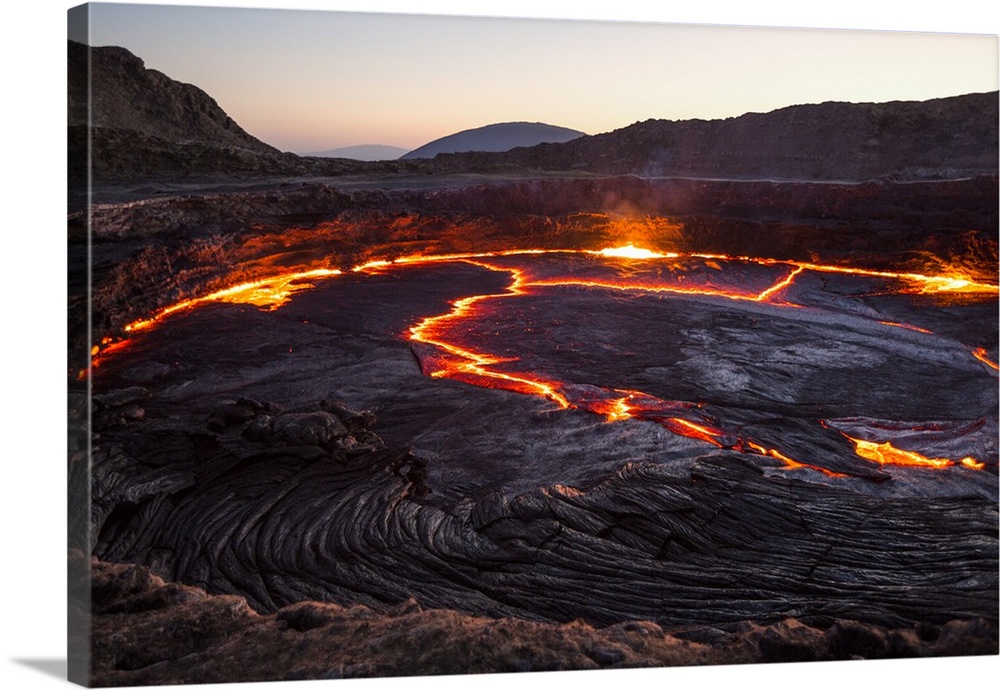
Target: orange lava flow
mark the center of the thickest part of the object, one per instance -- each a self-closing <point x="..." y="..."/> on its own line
<point x="789" y="463"/>
<point x="887" y="454"/>
<point x="613" y="410"/>
<point x="631" y="252"/>
<point x="980" y="354"/>
<point x="779" y="286"/>
<point x="906" y="326"/>
<point x="683" y="427"/>
<point x="654" y="288"/>
<point x="268" y="293"/>
<point x="922" y="284"/>
<point x="474" y="367"/>
<point x="956" y="283"/>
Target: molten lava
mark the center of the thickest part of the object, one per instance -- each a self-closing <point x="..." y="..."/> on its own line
<point x="613" y="410"/>
<point x="471" y="366"/>
<point x="907" y="326"/>
<point x="915" y="282"/>
<point x="458" y="360"/>
<point x="631" y="252"/>
<point x="887" y="454"/>
<point x="269" y="293"/>
<point x="980" y="354"/>
<point x="474" y="367"/>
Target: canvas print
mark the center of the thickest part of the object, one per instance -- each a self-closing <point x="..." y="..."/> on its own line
<point x="407" y="345"/>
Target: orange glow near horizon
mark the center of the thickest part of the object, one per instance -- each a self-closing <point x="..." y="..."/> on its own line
<point x="462" y="362"/>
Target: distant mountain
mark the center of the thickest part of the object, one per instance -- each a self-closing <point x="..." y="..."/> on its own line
<point x="364" y="152"/>
<point x="939" y="138"/>
<point x="496" y="138"/>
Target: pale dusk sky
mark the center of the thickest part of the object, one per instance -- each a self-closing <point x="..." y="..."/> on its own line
<point x="312" y="80"/>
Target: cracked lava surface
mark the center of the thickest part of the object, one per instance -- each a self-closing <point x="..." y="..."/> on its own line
<point x="840" y="371"/>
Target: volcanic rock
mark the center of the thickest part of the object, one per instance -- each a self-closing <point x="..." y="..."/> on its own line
<point x="695" y="542"/>
<point x="149" y="631"/>
<point x="940" y="138"/>
<point x="124" y="94"/>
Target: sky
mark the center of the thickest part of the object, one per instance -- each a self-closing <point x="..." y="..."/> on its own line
<point x="307" y="81"/>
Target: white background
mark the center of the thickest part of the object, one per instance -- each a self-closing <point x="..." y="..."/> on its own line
<point x="32" y="587"/>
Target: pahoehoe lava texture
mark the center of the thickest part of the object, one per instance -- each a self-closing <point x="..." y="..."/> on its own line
<point x="719" y="546"/>
<point x="283" y="494"/>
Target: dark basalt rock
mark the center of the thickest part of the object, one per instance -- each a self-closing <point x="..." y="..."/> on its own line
<point x="304" y="429"/>
<point x="719" y="546"/>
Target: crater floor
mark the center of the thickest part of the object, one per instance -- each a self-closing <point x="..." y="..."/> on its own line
<point x="691" y="440"/>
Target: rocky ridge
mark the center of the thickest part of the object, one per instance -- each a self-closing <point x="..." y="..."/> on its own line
<point x="936" y="139"/>
<point x="124" y="94"/>
<point x="148" y="631"/>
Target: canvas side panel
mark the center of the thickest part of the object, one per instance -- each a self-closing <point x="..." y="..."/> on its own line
<point x="78" y="351"/>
